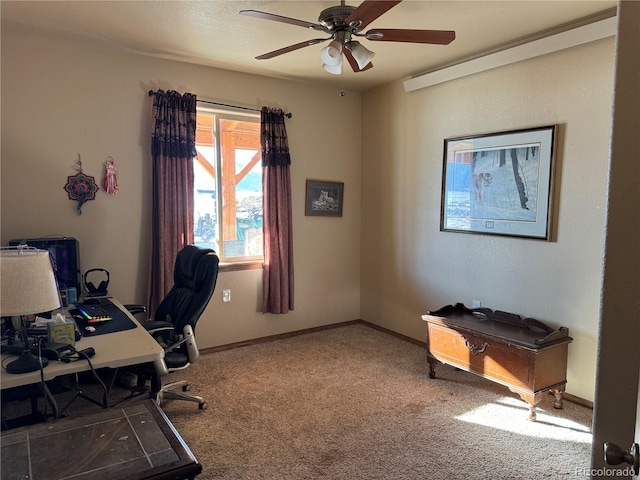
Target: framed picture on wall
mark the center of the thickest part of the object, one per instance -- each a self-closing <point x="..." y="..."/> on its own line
<point x="324" y="198"/>
<point x="499" y="183"/>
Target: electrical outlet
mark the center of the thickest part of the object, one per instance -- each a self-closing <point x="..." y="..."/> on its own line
<point x="226" y="296"/>
<point x="476" y="303"/>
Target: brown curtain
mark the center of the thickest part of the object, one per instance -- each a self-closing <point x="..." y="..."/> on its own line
<point x="278" y="232"/>
<point x="173" y="147"/>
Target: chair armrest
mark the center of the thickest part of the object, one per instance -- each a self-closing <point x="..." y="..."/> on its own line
<point x="157" y="326"/>
<point x="135" y="309"/>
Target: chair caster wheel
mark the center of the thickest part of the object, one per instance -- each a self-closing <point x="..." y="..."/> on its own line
<point x="203" y="406"/>
<point x="186" y="388"/>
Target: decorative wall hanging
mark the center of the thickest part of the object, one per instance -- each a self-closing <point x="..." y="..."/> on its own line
<point x="324" y="198"/>
<point x="110" y="180"/>
<point x="499" y="183"/>
<point x="81" y="187"/>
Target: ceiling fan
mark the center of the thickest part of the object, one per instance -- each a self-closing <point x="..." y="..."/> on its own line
<point x="343" y="24"/>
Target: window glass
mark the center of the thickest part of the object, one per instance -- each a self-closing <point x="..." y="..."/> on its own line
<point x="228" y="185"/>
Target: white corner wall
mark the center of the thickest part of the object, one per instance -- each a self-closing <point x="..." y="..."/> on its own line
<point x="409" y="266"/>
<point x="63" y="98"/>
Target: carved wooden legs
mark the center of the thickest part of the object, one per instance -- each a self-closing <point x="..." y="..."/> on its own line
<point x="558" y="400"/>
<point x="557" y="403"/>
<point x="532" y="398"/>
<point x="432" y="367"/>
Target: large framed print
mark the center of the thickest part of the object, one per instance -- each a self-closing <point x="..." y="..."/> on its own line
<point x="499" y="183"/>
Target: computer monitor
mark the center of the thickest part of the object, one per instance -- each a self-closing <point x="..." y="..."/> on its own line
<point x="65" y="253"/>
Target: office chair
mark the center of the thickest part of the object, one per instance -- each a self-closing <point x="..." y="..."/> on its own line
<point x="173" y="326"/>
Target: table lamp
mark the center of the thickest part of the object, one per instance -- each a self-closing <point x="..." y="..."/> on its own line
<point x="27" y="286"/>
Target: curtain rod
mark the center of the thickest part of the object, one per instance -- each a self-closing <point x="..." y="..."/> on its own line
<point x="288" y="115"/>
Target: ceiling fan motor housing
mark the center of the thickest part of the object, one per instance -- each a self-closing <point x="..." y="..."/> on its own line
<point x="334" y="18"/>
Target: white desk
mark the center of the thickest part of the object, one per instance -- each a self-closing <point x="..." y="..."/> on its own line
<point x="113" y="350"/>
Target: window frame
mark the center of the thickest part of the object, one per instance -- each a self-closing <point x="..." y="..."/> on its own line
<point x="245" y="262"/>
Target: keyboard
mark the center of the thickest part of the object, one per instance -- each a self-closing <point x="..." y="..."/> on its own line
<point x="94" y="313"/>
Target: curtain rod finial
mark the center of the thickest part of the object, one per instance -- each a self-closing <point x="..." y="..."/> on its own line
<point x="151" y="93"/>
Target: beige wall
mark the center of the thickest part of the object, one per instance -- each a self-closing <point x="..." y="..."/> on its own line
<point x="61" y="99"/>
<point x="409" y="266"/>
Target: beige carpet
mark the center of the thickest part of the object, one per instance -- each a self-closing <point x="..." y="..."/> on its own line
<point x="356" y="403"/>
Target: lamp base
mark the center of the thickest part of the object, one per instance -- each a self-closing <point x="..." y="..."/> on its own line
<point x="27" y="362"/>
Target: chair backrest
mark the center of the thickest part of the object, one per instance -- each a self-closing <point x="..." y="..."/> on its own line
<point x="194" y="276"/>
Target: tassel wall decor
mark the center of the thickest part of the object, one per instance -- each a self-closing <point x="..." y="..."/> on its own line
<point x="110" y="180"/>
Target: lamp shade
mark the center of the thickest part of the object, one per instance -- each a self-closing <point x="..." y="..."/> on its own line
<point x="362" y="55"/>
<point x="27" y="282"/>
<point x="332" y="53"/>
<point x="334" y="69"/>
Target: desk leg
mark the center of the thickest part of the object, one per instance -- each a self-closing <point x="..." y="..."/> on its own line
<point x="49" y="398"/>
<point x="156" y="386"/>
<point x="532" y="412"/>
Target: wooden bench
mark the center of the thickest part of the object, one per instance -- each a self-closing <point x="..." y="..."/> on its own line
<point x="522" y="353"/>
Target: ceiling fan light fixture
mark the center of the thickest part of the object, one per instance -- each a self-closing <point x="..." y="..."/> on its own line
<point x="362" y="55"/>
<point x="334" y="69"/>
<point x="332" y="53"/>
<point x="342" y="23"/>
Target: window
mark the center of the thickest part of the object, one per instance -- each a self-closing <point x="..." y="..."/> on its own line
<point x="228" y="185"/>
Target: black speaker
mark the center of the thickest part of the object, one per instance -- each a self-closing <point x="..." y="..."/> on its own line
<point x="101" y="289"/>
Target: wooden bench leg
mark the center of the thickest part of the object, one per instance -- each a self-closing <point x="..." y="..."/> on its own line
<point x="558" y="400"/>
<point x="432" y="367"/>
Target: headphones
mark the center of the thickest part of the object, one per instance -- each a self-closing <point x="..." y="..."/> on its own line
<point x="101" y="289"/>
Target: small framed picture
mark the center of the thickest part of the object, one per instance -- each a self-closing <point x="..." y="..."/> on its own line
<point x="499" y="183"/>
<point x="324" y="198"/>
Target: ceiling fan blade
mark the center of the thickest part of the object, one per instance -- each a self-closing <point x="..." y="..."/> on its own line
<point x="280" y="18"/>
<point x="291" y="48"/>
<point x="354" y="64"/>
<point x="369" y="10"/>
<point x="439" y="37"/>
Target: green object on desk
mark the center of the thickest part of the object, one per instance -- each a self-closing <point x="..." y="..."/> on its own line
<point x="62" y="332"/>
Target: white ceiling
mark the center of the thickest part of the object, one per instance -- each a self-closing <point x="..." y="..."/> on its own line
<point x="213" y="33"/>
